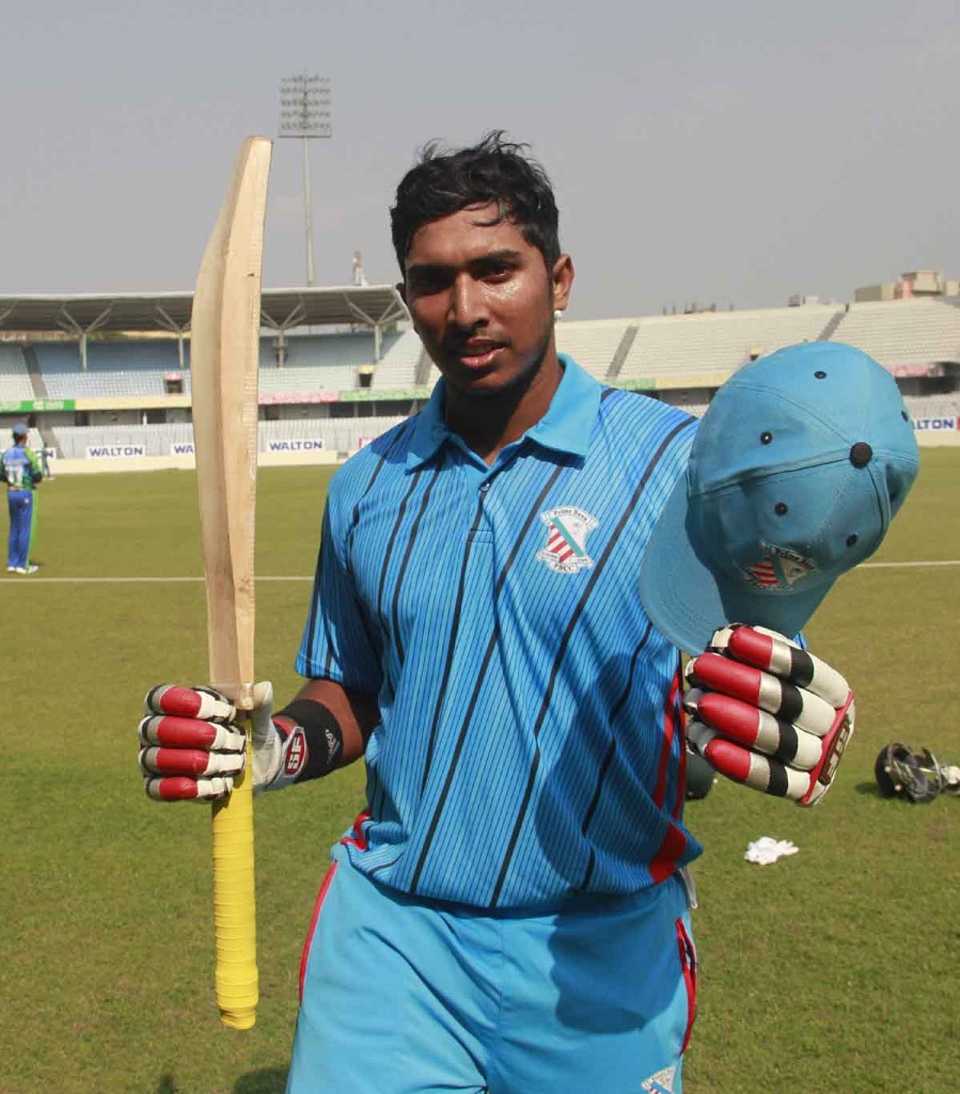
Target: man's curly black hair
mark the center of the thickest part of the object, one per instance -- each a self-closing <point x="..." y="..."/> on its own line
<point x="494" y="171"/>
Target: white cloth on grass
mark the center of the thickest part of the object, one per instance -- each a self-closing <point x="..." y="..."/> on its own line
<point x="766" y="849"/>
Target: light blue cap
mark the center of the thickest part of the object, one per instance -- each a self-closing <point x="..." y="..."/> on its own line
<point x="796" y="471"/>
<point x="21" y="429"/>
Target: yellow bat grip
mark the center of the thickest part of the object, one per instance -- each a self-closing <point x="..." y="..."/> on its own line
<point x="234" y="903"/>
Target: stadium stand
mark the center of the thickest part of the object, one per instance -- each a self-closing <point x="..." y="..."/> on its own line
<point x="680" y="359"/>
<point x="34" y="438"/>
<point x="324" y="362"/>
<point x="114" y="369"/>
<point x="308" y="378"/>
<point x="329" y="362"/>
<point x="313" y="363"/>
<point x="398" y="366"/>
<point x="156" y="439"/>
<point x="429" y="373"/>
<point x="689" y="399"/>
<point x="933" y="406"/>
<point x="718" y="341"/>
<point x="15" y="385"/>
<point x="346" y="350"/>
<point x="904" y="332"/>
<point x="592" y="343"/>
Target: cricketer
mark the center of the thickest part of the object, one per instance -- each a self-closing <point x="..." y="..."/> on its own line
<point x="504" y="584"/>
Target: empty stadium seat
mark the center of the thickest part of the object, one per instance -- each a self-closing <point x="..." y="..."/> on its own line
<point x="591" y="343"/>
<point x="15" y="385"/>
<point x="903" y="332"/>
<point x="933" y="406"/>
<point x="327" y="362"/>
<point x="719" y="341"/>
<point x="397" y="368"/>
<point x="113" y="369"/>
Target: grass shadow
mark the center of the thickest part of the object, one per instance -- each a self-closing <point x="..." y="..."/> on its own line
<point x="267" y="1080"/>
<point x="868" y="789"/>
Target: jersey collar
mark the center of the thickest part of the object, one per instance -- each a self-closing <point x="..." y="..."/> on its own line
<point x="566" y="427"/>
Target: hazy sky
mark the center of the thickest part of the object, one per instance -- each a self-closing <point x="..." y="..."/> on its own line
<point x="733" y="152"/>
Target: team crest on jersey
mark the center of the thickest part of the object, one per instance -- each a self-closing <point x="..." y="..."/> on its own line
<point x="780" y="568"/>
<point x="567" y="531"/>
<point x="662" y="1082"/>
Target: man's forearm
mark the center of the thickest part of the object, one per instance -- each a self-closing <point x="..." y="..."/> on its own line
<point x="325" y="709"/>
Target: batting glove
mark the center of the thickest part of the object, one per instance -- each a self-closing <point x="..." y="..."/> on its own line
<point x="192" y="748"/>
<point x="769" y="714"/>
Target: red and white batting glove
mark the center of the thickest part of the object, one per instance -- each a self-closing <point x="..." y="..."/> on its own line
<point x="192" y="747"/>
<point x="767" y="713"/>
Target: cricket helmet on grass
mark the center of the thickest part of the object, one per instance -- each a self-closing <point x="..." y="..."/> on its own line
<point x="902" y="773"/>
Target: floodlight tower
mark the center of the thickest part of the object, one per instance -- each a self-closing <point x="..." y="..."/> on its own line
<point x="305" y="113"/>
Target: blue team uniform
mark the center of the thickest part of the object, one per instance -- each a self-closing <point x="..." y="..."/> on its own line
<point x="20" y="469"/>
<point x="525" y="789"/>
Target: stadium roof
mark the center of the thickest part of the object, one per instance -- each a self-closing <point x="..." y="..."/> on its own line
<point x="85" y="313"/>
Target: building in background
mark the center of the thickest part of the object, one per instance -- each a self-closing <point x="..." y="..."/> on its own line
<point x="917" y="283"/>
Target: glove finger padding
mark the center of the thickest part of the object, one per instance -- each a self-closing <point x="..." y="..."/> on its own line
<point x="719" y="672"/>
<point x="755" y="728"/>
<point x="203" y="703"/>
<point x="747" y="766"/>
<point x="171" y="732"/>
<point x="196" y="762"/>
<point x="183" y="788"/>
<point x="769" y="714"/>
<point x="777" y="654"/>
<point x="191" y="748"/>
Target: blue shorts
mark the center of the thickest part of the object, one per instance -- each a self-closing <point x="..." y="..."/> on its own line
<point x="410" y="996"/>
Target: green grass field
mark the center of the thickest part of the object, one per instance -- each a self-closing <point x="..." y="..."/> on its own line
<point x="831" y="970"/>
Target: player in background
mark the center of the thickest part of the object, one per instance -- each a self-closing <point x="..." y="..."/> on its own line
<point x="22" y="473"/>
<point x="509" y="912"/>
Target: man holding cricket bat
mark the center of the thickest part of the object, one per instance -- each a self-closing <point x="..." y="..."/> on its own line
<point x="505" y="581"/>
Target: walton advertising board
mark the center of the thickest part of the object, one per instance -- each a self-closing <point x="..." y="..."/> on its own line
<point x="115" y="451"/>
<point x="299" y="444"/>
<point x="921" y="425"/>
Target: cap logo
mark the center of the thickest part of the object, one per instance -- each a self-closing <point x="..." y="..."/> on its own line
<point x="567" y="531"/>
<point x="779" y="568"/>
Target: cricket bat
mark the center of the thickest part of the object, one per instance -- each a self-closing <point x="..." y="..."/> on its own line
<point x="225" y="347"/>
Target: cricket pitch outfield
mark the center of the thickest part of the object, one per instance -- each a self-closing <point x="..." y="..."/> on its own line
<point x="829" y="970"/>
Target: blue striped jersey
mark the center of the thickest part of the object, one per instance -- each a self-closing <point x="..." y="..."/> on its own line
<point x="530" y="743"/>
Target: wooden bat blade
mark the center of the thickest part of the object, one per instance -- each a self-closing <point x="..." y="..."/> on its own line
<point x="225" y="347"/>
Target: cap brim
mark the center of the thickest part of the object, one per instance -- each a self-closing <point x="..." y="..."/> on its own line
<point x="685" y="600"/>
